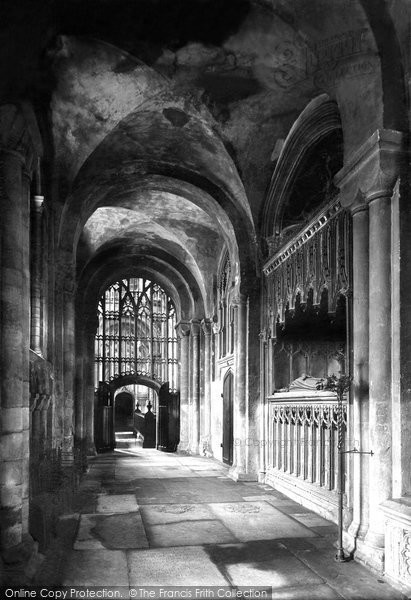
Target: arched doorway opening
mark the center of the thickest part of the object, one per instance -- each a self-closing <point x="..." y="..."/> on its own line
<point x="123" y="411"/>
<point x="136" y="364"/>
<point x="130" y="399"/>
<point x="228" y="412"/>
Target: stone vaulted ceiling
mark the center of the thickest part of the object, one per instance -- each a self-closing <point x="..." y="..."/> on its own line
<point x="164" y="115"/>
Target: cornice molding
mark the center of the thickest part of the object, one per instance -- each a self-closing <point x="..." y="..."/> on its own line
<point x="303" y="236"/>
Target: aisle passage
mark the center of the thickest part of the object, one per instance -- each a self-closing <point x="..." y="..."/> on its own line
<point x="147" y="518"/>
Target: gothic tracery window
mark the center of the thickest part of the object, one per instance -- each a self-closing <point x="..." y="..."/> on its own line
<point x="226" y="313"/>
<point x="136" y="332"/>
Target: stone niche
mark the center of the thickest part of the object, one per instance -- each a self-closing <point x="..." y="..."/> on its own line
<point x="293" y="358"/>
<point x="398" y="542"/>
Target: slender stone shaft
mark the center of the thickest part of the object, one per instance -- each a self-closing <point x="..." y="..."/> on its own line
<point x="68" y="370"/>
<point x="195" y="401"/>
<point x="360" y="464"/>
<point x="25" y="299"/>
<point x="238" y="469"/>
<point x="36" y="274"/>
<point x="89" y="395"/>
<point x="380" y="475"/>
<point x="183" y="331"/>
<point x="206" y="421"/>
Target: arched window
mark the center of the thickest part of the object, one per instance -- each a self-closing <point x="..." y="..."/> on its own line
<point x="136" y="332"/>
<point x="226" y="314"/>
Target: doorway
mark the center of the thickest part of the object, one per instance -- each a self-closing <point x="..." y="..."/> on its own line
<point x="228" y="440"/>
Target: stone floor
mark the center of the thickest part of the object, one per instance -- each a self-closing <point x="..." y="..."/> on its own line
<point x="146" y="518"/>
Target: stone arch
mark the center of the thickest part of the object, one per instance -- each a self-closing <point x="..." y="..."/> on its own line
<point x="142" y="142"/>
<point x="173" y="277"/>
<point x="320" y="118"/>
<point x="134" y="378"/>
<point x="393" y="83"/>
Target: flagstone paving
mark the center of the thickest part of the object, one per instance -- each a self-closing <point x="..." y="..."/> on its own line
<point x="146" y="518"/>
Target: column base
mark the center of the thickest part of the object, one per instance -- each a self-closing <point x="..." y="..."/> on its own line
<point x="370" y="555"/>
<point x="19" y="564"/>
<point x="91" y="450"/>
<point x="354" y="535"/>
<point x="239" y="474"/>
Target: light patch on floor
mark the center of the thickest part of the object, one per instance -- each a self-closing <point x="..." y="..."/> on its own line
<point x="277" y="573"/>
<point x="189" y="533"/>
<point x="258" y="521"/>
<point x="97" y="568"/>
<point x="188" y="566"/>
<point x="111" y="531"/>
<point x="311" y="520"/>
<point x="116" y="503"/>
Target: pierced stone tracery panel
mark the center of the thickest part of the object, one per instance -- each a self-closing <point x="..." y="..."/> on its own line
<point x="317" y="259"/>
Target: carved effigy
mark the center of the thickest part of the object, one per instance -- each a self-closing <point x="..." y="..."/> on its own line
<point x="306" y="382"/>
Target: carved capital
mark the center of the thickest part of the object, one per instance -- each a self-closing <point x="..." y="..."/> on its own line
<point x="195" y="327"/>
<point x="183" y="329"/>
<point x="206" y="326"/>
<point x="239" y="299"/>
<point x="373" y="169"/>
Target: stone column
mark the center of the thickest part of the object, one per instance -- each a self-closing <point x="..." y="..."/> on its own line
<point x="264" y="451"/>
<point x="79" y="387"/>
<point x="183" y="331"/>
<point x="205" y="422"/>
<point x="360" y="350"/>
<point x="36" y="275"/>
<point x="89" y="385"/>
<point x="195" y="400"/>
<point x="25" y="298"/>
<point x="380" y="472"/>
<point x="14" y="405"/>
<point x="369" y="178"/>
<point x="239" y="469"/>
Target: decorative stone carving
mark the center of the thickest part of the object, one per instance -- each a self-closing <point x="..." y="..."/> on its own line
<point x="397" y="515"/>
<point x="244" y="509"/>
<point x="183" y="329"/>
<point x="206" y="326"/>
<point x="177" y="509"/>
<point x="405" y="554"/>
<point x="315" y="260"/>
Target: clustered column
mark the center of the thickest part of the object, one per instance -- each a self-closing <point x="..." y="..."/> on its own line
<point x="195" y="400"/>
<point x="206" y="412"/>
<point x="89" y="387"/>
<point x="239" y="468"/>
<point x="367" y="185"/>
<point x="36" y="281"/>
<point x="183" y="331"/>
<point x="68" y="370"/>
